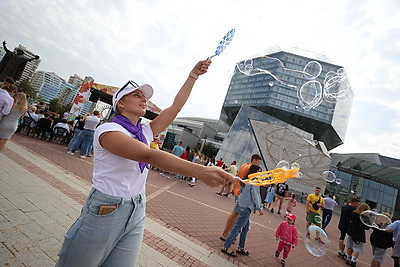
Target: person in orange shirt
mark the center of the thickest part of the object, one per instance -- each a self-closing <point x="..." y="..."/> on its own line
<point x="243" y="170"/>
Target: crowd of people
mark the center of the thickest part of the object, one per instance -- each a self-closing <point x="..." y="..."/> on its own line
<point x="124" y="148"/>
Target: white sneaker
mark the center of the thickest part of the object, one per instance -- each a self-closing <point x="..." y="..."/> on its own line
<point x="70" y="153"/>
<point x="83" y="157"/>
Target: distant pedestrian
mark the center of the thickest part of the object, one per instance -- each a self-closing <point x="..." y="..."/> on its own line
<point x="282" y="192"/>
<point x="344" y="222"/>
<point x="327" y="211"/>
<point x="9" y="122"/>
<point x="287" y="236"/>
<point x="291" y="203"/>
<point x="355" y="235"/>
<point x="269" y="199"/>
<point x="380" y="242"/>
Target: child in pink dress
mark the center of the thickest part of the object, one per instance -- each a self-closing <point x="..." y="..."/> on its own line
<point x="287" y="236"/>
<point x="291" y="203"/>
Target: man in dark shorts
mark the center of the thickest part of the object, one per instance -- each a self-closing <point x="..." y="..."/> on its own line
<point x="282" y="192"/>
<point x="344" y="222"/>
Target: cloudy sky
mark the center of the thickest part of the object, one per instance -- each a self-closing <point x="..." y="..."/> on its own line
<point x="158" y="42"/>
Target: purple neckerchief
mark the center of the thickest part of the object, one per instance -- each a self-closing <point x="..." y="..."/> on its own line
<point x="133" y="129"/>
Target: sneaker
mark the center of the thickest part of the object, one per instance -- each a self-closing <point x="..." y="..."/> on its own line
<point x="272" y="210"/>
<point x="351" y="263"/>
<point x="70" y="153"/>
<point x="341" y="255"/>
<point x="278" y="212"/>
<point x="277" y="254"/>
<point x="83" y="157"/>
<point x="283" y="262"/>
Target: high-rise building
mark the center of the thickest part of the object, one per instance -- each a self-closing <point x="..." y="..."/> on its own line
<point x="327" y="121"/>
<point x="271" y="109"/>
<point x="49" y="86"/>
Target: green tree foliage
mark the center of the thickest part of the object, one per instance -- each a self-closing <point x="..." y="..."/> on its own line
<point x="209" y="150"/>
<point x="26" y="87"/>
<point x="56" y="107"/>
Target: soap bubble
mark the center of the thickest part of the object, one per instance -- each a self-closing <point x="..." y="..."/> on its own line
<point x="316" y="241"/>
<point x="317" y="218"/>
<point x="338" y="181"/>
<point x="352" y="191"/>
<point x="271" y="83"/>
<point x="312" y="70"/>
<point x="295" y="165"/>
<point x="329" y="176"/>
<point x="235" y="101"/>
<point x="283" y="164"/>
<point x="375" y="219"/>
<point x="310" y="94"/>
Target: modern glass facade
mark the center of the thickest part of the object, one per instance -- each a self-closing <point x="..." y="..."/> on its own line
<point x="328" y="121"/>
<point x="377" y="195"/>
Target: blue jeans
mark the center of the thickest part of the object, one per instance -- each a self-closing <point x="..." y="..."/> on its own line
<point x="74" y="139"/>
<point x="241" y="226"/>
<point x="86" y="138"/>
<point x="326" y="217"/>
<point x="105" y="240"/>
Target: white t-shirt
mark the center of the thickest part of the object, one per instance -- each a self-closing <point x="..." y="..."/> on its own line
<point x="114" y="175"/>
<point x="91" y="122"/>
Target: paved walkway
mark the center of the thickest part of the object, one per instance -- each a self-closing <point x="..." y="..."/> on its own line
<point x="42" y="190"/>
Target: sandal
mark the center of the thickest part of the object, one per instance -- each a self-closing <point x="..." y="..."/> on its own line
<point x="242" y="252"/>
<point x="229" y="253"/>
<point x="222" y="238"/>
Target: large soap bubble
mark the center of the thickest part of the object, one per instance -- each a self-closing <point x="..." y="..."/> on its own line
<point x="283" y="164"/>
<point x="316" y="241"/>
<point x="329" y="176"/>
<point x="375" y="219"/>
<point x="310" y="94"/>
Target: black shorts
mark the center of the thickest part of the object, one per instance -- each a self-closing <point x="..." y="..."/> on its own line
<point x="342" y="235"/>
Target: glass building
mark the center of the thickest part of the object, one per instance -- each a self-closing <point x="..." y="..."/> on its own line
<point x="372" y="177"/>
<point x="276" y="94"/>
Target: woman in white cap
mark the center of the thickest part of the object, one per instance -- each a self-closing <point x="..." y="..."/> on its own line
<point x="110" y="228"/>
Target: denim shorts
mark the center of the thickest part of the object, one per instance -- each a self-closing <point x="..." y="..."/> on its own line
<point x="378" y="254"/>
<point x="113" y="239"/>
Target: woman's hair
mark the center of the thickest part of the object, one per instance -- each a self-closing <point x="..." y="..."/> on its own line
<point x="253" y="169"/>
<point x="293" y="195"/>
<point x="20" y="102"/>
<point x="361" y="208"/>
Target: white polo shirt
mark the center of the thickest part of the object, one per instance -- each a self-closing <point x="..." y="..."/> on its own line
<point x="115" y="175"/>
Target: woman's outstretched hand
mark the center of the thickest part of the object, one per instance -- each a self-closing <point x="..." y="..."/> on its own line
<point x="215" y="176"/>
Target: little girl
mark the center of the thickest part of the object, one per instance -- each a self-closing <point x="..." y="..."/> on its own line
<point x="291" y="203"/>
<point x="287" y="236"/>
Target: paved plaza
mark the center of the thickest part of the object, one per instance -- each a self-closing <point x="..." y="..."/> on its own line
<point x="42" y="189"/>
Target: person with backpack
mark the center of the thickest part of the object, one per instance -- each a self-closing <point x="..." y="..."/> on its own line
<point x="314" y="204"/>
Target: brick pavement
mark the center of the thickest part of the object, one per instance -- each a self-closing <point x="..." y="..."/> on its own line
<point x="183" y="223"/>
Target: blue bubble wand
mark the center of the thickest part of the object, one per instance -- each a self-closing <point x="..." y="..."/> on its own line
<point x="224" y="42"/>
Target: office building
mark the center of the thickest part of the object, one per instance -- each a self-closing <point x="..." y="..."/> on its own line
<point x="266" y="98"/>
<point x="372" y="177"/>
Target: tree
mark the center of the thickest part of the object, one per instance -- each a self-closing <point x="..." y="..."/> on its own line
<point x="26" y="87"/>
<point x="58" y="108"/>
<point x="209" y="150"/>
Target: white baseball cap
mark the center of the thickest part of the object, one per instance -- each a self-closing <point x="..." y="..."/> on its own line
<point x="130" y="87"/>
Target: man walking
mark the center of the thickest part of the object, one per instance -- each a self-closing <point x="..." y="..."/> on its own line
<point x="85" y="137"/>
<point x="314" y="204"/>
<point x="243" y="170"/>
<point x="344" y="222"/>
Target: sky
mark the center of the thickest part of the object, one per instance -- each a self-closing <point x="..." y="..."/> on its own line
<point x="159" y="42"/>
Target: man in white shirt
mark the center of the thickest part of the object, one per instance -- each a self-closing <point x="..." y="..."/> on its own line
<point x="85" y="137"/>
<point x="6" y="101"/>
